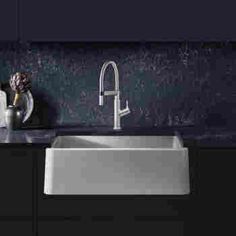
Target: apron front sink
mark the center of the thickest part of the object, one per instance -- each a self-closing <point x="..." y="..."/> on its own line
<point x="117" y="165"/>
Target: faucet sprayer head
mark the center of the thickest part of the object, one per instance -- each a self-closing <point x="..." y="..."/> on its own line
<point x="101" y="98"/>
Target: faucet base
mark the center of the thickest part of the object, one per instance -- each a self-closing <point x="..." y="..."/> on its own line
<point x="117" y="128"/>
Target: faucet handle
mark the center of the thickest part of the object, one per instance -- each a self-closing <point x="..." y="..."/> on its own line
<point x="127" y="104"/>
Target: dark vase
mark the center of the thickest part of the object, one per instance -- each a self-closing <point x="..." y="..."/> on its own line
<point x="13" y="117"/>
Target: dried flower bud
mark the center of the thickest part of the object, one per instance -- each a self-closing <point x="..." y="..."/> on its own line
<point x="20" y="82"/>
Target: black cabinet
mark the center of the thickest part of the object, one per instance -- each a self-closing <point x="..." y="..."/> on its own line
<point x="217" y="173"/>
<point x="15" y="182"/>
<point x="8" y="20"/>
<point x="112" y="20"/>
<point x="61" y="228"/>
<point x="13" y="228"/>
<point x="125" y="20"/>
<point x="214" y="200"/>
<point x="87" y="20"/>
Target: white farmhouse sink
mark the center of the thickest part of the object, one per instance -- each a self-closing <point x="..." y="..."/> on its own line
<point x="116" y="165"/>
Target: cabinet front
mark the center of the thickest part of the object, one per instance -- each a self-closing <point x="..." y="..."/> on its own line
<point x="8" y="20"/>
<point x="16" y="182"/>
<point x="61" y="228"/>
<point x="214" y="200"/>
<point x="12" y="228"/>
<point x="124" y="20"/>
<point x="86" y="20"/>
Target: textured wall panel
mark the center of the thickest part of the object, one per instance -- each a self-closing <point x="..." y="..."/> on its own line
<point x="173" y="84"/>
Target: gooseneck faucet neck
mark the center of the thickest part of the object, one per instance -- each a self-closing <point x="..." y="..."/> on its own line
<point x="102" y="73"/>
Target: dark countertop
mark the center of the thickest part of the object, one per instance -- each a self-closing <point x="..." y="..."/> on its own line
<point x="29" y="137"/>
<point x="202" y="137"/>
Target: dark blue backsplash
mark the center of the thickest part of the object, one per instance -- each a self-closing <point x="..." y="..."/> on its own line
<point x="167" y="84"/>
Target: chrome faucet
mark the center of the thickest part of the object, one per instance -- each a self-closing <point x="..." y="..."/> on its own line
<point x="118" y="113"/>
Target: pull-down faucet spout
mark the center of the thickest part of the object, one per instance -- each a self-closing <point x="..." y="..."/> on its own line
<point x="101" y="81"/>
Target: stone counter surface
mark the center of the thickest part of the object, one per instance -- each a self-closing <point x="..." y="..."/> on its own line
<point x="27" y="137"/>
<point x="201" y="137"/>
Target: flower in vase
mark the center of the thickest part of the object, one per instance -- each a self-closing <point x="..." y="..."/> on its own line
<point x="19" y="83"/>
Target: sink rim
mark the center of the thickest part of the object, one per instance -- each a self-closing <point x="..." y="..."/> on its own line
<point x="117" y="149"/>
<point x="177" y="143"/>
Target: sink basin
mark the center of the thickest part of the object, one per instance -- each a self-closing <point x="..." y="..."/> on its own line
<point x="117" y="165"/>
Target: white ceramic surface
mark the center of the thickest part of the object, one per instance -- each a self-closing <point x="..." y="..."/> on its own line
<point x="117" y="165"/>
<point x="3" y="106"/>
<point x="29" y="105"/>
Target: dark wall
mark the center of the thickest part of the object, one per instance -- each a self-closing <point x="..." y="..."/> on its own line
<point x="166" y="83"/>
